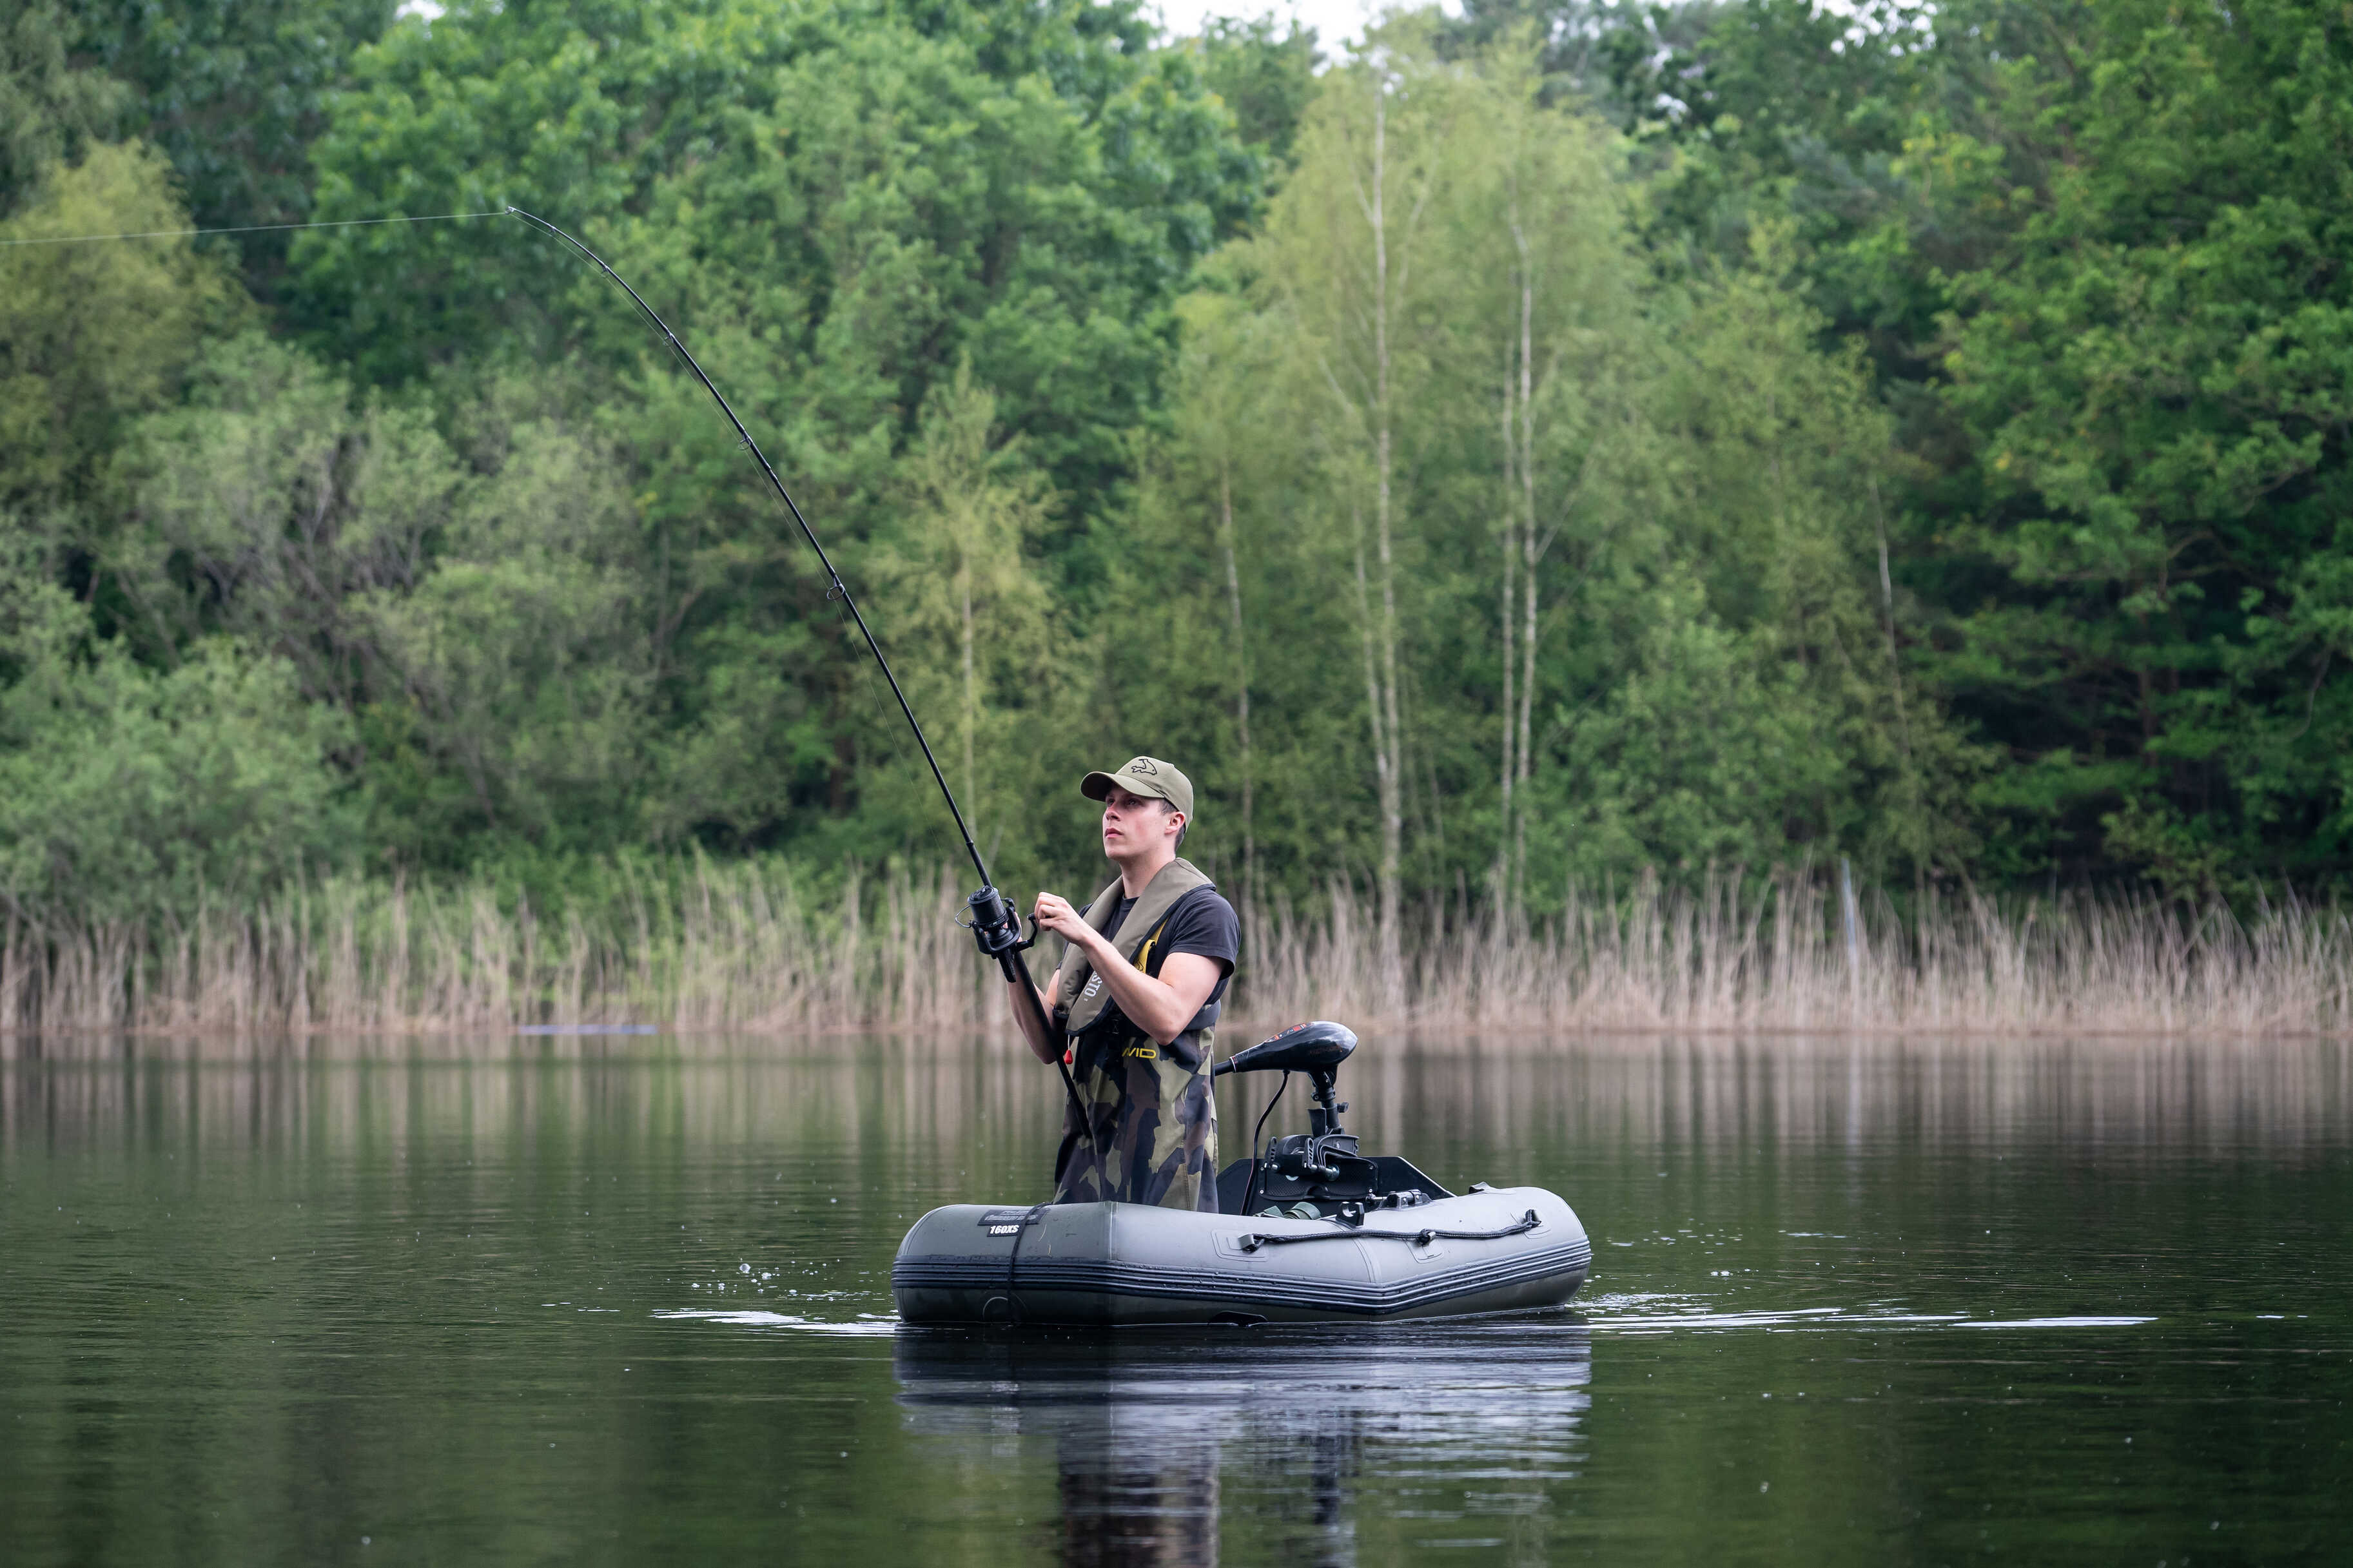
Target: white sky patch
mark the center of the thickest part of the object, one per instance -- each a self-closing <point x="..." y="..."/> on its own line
<point x="1335" y="22"/>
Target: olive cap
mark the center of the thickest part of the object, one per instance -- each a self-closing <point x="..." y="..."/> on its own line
<point x="1146" y="776"/>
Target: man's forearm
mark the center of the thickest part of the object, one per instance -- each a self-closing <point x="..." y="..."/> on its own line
<point x="1029" y="1019"/>
<point x="1152" y="1005"/>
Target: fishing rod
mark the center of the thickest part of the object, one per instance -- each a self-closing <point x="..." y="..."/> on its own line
<point x="995" y="925"/>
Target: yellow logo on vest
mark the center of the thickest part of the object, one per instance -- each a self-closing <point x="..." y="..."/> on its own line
<point x="1143" y="1053"/>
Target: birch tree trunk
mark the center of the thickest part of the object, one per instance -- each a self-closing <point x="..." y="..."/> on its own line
<point x="971" y="689"/>
<point x="1372" y="665"/>
<point x="1390" y="765"/>
<point x="1531" y="550"/>
<point x="1500" y="877"/>
<point x="1342" y="254"/>
<point x="1888" y="610"/>
<point x="1386" y="984"/>
<point x="1241" y="680"/>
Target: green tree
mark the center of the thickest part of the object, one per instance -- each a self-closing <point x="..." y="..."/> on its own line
<point x="265" y="503"/>
<point x="1538" y="212"/>
<point x="1264" y="73"/>
<point x="2085" y="247"/>
<point x="1211" y="471"/>
<point x="2153" y="378"/>
<point x="50" y="111"/>
<point x="836" y="208"/>
<point x="233" y="92"/>
<point x="1635" y="591"/>
<point x="92" y="335"/>
<point x="130" y="795"/>
<point x="481" y="614"/>
<point x="519" y="664"/>
<point x="1343" y="258"/>
<point x="1733" y="692"/>
<point x="973" y="621"/>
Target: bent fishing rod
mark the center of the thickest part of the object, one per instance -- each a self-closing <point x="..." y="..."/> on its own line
<point x="995" y="925"/>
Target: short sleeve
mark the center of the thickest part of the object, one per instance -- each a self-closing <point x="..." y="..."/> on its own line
<point x="1206" y="924"/>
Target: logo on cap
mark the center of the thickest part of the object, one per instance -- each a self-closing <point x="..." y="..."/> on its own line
<point x="1142" y="765"/>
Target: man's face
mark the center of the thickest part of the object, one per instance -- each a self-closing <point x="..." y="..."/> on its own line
<point x="1134" y="824"/>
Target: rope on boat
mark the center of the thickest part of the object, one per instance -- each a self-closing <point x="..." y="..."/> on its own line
<point x="1013" y="1258"/>
<point x="1526" y="1222"/>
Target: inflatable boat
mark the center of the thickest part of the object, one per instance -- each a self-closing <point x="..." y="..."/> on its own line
<point x="1312" y="1231"/>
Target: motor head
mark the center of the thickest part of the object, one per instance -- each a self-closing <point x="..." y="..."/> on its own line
<point x="1316" y="1048"/>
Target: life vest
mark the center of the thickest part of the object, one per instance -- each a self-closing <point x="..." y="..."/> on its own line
<point x="1153" y="1121"/>
<point x="1082" y="998"/>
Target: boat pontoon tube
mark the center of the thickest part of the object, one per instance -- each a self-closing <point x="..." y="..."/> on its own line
<point x="1503" y="1250"/>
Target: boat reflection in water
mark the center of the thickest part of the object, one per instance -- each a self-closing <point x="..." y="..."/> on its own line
<point x="1154" y="1437"/>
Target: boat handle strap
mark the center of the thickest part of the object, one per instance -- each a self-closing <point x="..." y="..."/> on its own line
<point x="1526" y="1222"/>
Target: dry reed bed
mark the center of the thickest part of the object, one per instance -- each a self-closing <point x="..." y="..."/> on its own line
<point x="1732" y="959"/>
<point x="736" y="949"/>
<point x="726" y="948"/>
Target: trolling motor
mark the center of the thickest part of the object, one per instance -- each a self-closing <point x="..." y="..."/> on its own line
<point x="1320" y="1168"/>
<point x="1317" y="1050"/>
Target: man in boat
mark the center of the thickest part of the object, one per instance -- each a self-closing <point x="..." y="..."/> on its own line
<point x="1142" y="974"/>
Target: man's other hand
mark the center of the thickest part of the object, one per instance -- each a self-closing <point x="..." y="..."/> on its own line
<point x="1056" y="914"/>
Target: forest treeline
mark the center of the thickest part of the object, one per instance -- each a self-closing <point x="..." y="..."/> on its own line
<point x="1533" y="449"/>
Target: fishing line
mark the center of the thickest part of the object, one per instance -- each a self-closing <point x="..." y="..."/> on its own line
<point x="249" y="229"/>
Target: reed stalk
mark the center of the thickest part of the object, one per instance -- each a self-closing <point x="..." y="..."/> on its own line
<point x="702" y="948"/>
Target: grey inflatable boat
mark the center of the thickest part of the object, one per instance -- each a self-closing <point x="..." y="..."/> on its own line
<point x="1313" y="1231"/>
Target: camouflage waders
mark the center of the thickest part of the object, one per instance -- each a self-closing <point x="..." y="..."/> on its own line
<point x="1149" y="1106"/>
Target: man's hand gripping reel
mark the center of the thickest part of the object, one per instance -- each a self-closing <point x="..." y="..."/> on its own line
<point x="996" y="931"/>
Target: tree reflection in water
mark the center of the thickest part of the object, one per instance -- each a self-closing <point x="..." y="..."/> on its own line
<point x="1157" y="1439"/>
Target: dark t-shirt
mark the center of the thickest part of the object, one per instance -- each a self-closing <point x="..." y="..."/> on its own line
<point x="1201" y="922"/>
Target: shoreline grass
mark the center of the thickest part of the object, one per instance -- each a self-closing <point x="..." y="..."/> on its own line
<point x="738" y="948"/>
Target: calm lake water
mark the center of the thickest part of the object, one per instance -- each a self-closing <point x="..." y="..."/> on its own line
<point x="1883" y="1304"/>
